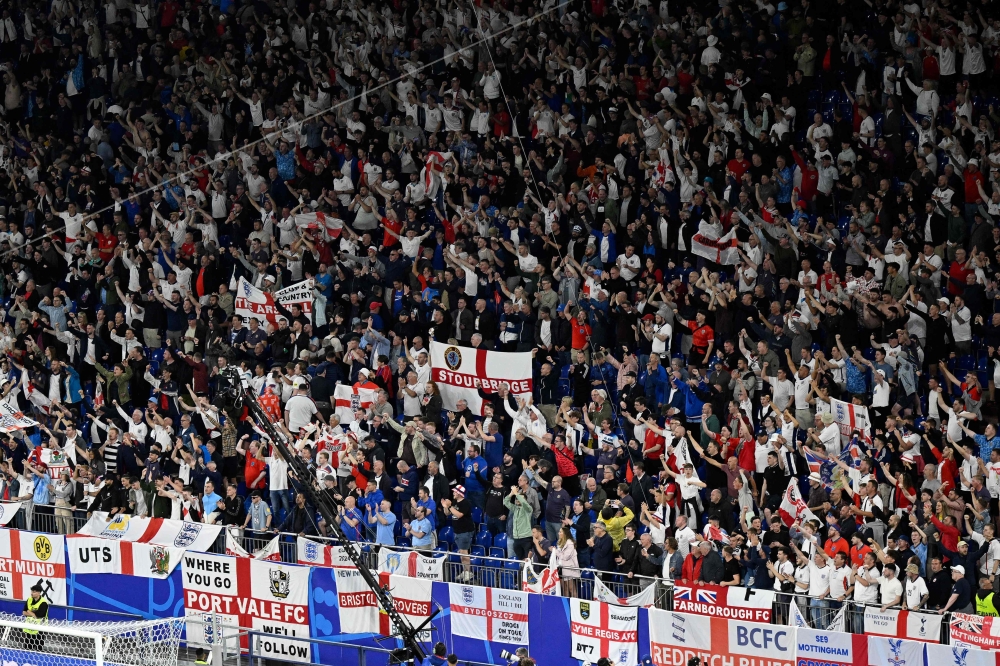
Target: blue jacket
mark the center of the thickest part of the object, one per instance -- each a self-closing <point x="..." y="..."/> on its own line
<point x="409" y="483"/>
<point x="470" y="481"/>
<point x="692" y="403"/>
<point x="71" y="385"/>
<point x="603" y="553"/>
<point x="655" y="386"/>
<point x="374" y="500"/>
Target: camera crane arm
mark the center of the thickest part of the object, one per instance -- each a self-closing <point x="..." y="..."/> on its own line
<point x="236" y="394"/>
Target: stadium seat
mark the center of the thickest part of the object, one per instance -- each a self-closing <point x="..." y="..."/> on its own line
<point x="967" y="362"/>
<point x="488" y="577"/>
<point x="484" y="539"/>
<point x="156" y="355"/>
<point x="510" y="577"/>
<point x="500" y="541"/>
<point x="477" y="515"/>
<point x="499" y="553"/>
<point x="479" y="550"/>
<point x="446" y="535"/>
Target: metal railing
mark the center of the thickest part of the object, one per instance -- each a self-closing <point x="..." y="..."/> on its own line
<point x="486" y="571"/>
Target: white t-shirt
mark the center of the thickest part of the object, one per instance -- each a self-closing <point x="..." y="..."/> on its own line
<point x="412" y="405"/>
<point x="74" y="225"/>
<point x="688" y="489"/>
<point x="819" y="579"/>
<point x="278" y="476"/>
<point x="915" y="591"/>
<point x="890" y="589"/>
<point x="300" y="410"/>
<point x="869" y="594"/>
<point x="830" y="436"/>
<point x="802" y="386"/>
<point x="785" y="568"/>
<point x="839" y="582"/>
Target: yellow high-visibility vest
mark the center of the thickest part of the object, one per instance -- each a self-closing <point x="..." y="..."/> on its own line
<point x="34" y="606"/>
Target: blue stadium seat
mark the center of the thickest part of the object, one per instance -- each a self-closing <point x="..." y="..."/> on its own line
<point x="488" y="577"/>
<point x="484" y="539"/>
<point x="446" y="535"/>
<point x="478" y="550"/>
<point x="967" y="362"/>
<point x="477" y="515"/>
<point x="500" y="541"/>
<point x="499" y="553"/>
<point x="510" y="577"/>
<point x="156" y="355"/>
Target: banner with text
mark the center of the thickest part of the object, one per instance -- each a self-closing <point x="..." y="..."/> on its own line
<point x="738" y="603"/>
<point x="359" y="609"/>
<point x="268" y="597"/>
<point x="924" y="627"/>
<point x="251" y="302"/>
<point x="410" y="563"/>
<point x="315" y="554"/>
<point x="829" y="648"/>
<point x="489" y="613"/>
<point x="30" y="558"/>
<point x="980" y="631"/>
<point x="94" y="555"/>
<point x="674" y="638"/>
<point x="456" y="369"/>
<point x="602" y="630"/>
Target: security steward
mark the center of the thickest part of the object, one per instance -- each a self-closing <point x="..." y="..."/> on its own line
<point x="36" y="611"/>
<point x="985" y="599"/>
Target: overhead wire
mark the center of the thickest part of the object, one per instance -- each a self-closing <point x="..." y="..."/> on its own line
<point x="548" y="232"/>
<point x="223" y="157"/>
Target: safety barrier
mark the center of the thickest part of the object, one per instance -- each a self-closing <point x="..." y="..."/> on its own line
<point x="487" y="571"/>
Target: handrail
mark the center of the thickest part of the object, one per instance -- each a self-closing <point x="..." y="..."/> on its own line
<point x="664" y="596"/>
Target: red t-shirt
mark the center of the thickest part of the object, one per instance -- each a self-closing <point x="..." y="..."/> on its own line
<point x="701" y="337"/>
<point x="253" y="469"/>
<point x="581" y="333"/>
<point x="738" y="167"/>
<point x="106" y="245"/>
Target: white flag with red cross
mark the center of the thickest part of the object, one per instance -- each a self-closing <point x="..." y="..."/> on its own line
<point x="602" y="630"/>
<point x="712" y="245"/>
<point x="320" y="222"/>
<point x="489" y="613"/>
<point x="359" y="609"/>
<point x="347" y="398"/>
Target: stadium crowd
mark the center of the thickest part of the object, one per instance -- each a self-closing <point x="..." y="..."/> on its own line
<point x="559" y="179"/>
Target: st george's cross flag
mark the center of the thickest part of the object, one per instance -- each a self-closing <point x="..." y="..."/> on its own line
<point x="712" y="245"/>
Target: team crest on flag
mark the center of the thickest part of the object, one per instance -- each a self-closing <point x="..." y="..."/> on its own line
<point x="896" y="652"/>
<point x="585" y="610"/>
<point x="159" y="560"/>
<point x="453" y="358"/>
<point x="279" y="583"/>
